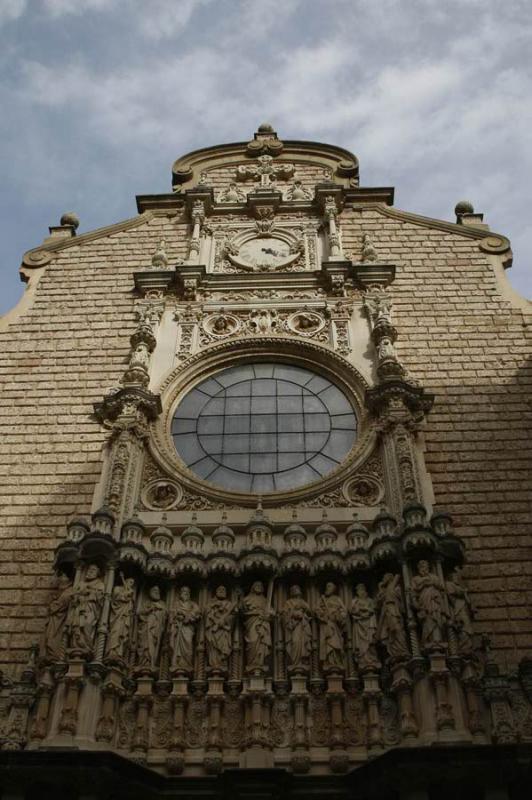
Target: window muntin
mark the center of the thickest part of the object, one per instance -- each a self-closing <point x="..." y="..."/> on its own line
<point x="263" y="428"/>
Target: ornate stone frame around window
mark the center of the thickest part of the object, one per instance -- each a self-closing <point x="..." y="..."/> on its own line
<point x="275" y="348"/>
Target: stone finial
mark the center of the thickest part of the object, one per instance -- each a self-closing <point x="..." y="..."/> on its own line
<point x="71" y="219"/>
<point x="265" y="127"/>
<point x="159" y="259"/>
<point x="463" y="207"/>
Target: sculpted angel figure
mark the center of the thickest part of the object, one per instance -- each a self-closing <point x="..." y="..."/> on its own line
<point x="53" y="644"/>
<point x="297" y="618"/>
<point x="257" y="631"/>
<point x="121" y="620"/>
<point x="461" y="611"/>
<point x="428" y="600"/>
<point x="184" y="621"/>
<point x="84" y="611"/>
<point x="219" y="621"/>
<point x="364" y="627"/>
<point x="332" y="616"/>
<point x="390" y="627"/>
<point x="150" y="626"/>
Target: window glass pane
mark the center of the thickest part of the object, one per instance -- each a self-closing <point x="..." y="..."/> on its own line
<point x="264" y="428"/>
<point x="210" y="425"/>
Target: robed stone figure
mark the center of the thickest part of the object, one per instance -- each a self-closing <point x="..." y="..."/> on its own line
<point x="364" y="620"/>
<point x="151" y="620"/>
<point x="332" y="616"/>
<point x="53" y="644"/>
<point x="390" y="625"/>
<point x="257" y="631"/>
<point x="84" y="612"/>
<point x="219" y="621"/>
<point x="185" y="616"/>
<point x="121" y="620"/>
<point x="297" y="618"/>
<point x="428" y="600"/>
<point x="461" y="611"/>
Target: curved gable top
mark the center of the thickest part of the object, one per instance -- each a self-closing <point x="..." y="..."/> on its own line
<point x="328" y="160"/>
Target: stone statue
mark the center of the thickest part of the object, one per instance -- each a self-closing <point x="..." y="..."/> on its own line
<point x="364" y="628"/>
<point x="184" y="620"/>
<point x="257" y="630"/>
<point x="219" y="621"/>
<point x="332" y="616"/>
<point x="150" y="625"/>
<point x="120" y="620"/>
<point x="84" y="611"/>
<point x="297" y="629"/>
<point x="428" y="601"/>
<point x="461" y="611"/>
<point x="390" y="626"/>
<point x="386" y="348"/>
<point x="53" y="644"/>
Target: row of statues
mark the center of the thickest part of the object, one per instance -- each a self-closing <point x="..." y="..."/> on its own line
<point x="370" y="629"/>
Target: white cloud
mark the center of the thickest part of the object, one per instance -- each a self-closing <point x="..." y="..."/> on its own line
<point x="58" y="8"/>
<point x="431" y="96"/>
<point x="11" y="10"/>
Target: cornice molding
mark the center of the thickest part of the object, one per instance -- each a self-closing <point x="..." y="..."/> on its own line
<point x="42" y="254"/>
<point x="492" y="242"/>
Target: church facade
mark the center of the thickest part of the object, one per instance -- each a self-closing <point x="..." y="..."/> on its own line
<point x="266" y="495"/>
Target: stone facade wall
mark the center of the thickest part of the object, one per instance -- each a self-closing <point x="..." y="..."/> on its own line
<point x="458" y="336"/>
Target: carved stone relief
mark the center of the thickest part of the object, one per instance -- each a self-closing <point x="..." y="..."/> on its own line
<point x="162" y="495"/>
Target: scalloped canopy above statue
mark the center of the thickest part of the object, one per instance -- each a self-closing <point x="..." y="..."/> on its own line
<point x="265" y="161"/>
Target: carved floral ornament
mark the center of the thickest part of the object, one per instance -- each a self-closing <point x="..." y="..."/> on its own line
<point x="237" y="351"/>
<point x="307" y="322"/>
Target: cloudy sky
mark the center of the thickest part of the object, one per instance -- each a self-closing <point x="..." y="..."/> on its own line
<point x="98" y="98"/>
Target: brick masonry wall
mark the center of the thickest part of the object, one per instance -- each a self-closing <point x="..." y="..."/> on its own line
<point x="457" y="335"/>
<point x="473" y="350"/>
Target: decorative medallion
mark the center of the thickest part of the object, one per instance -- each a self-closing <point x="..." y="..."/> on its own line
<point x="306" y="322"/>
<point x="162" y="494"/>
<point x="221" y="324"/>
<point x="363" y="490"/>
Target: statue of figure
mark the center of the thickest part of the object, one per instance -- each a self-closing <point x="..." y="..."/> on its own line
<point x="184" y="618"/>
<point x="332" y="616"/>
<point x="428" y="600"/>
<point x="219" y="620"/>
<point x="386" y="348"/>
<point x="150" y="625"/>
<point x="461" y="611"/>
<point x="121" y="619"/>
<point x="257" y="634"/>
<point x="53" y="644"/>
<point x="297" y="629"/>
<point x="390" y="627"/>
<point x="364" y="628"/>
<point x="84" y="611"/>
<point x="141" y="355"/>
